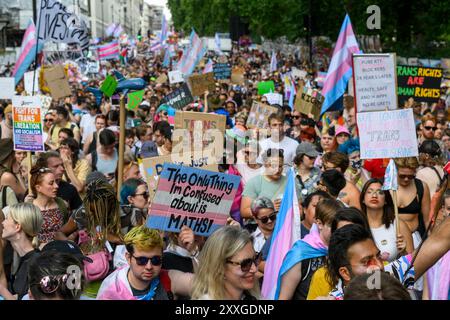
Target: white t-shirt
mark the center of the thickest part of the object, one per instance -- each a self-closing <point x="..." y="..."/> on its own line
<point x="247" y="173"/>
<point x="288" y="145"/>
<point x="88" y="124"/>
<point x="385" y="240"/>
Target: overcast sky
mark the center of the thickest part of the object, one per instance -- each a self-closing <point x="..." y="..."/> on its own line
<point x="161" y="3"/>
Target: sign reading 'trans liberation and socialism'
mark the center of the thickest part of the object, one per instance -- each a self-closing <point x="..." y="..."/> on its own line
<point x="196" y="198"/>
<point x="27" y="123"/>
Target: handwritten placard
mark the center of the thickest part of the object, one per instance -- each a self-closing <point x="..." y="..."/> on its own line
<point x="387" y="134"/>
<point x="222" y="71"/>
<point x="27" y="123"/>
<point x="196" y="198"/>
<point x="421" y="83"/>
<point x="375" y="82"/>
<point x="200" y="83"/>
<point x="175" y="76"/>
<point x="274" y="98"/>
<point x="259" y="115"/>
<point x="309" y="101"/>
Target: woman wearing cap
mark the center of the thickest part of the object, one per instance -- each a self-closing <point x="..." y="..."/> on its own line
<point x="342" y="135"/>
<point x="227" y="267"/>
<point x="431" y="170"/>
<point x="21" y="228"/>
<point x="7" y="176"/>
<point x="307" y="174"/>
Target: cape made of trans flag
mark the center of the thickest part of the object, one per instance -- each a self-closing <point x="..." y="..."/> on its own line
<point x="116" y="286"/>
<point x="311" y="246"/>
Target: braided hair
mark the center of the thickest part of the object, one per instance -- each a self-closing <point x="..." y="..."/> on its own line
<point x="102" y="209"/>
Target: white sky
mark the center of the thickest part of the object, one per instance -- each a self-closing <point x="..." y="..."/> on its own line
<point x="161" y="3"/>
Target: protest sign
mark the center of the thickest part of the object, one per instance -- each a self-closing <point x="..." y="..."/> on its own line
<point x="297" y="73"/>
<point x="109" y="86"/>
<point x="28" y="82"/>
<point x="162" y="79"/>
<point x="153" y="166"/>
<point x="421" y="83"/>
<point x="193" y="197"/>
<point x="27" y="123"/>
<point x="375" y="82"/>
<point x="55" y="79"/>
<point x="135" y="99"/>
<point x="387" y="134"/>
<point x="93" y="67"/>
<point x="46" y="103"/>
<point x="259" y="115"/>
<point x="56" y="23"/>
<point x="200" y="83"/>
<point x="274" y="98"/>
<point x="7" y="88"/>
<point x="309" y="101"/>
<point x="237" y="76"/>
<point x="179" y="98"/>
<point x="175" y="76"/>
<point x="222" y="71"/>
<point x="200" y="133"/>
<point x="266" y="87"/>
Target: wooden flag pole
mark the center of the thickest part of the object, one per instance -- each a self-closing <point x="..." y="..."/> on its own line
<point x="394" y="198"/>
<point x="29" y="164"/>
<point x="121" y="145"/>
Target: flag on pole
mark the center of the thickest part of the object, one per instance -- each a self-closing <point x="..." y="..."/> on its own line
<point x="208" y="67"/>
<point x="320" y="79"/>
<point x="164" y="29"/>
<point x="285" y="234"/>
<point x="117" y="31"/>
<point x="110" y="29"/>
<point x="390" y="177"/>
<point x="166" y="61"/>
<point x="340" y="68"/>
<point x="27" y="52"/>
<point x="218" y="46"/>
<point x="108" y="51"/>
<point x="273" y="62"/>
<point x="292" y="93"/>
<point x="193" y="55"/>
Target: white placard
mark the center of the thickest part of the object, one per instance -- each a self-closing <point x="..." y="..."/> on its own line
<point x="387" y="134"/>
<point x="375" y="82"/>
<point x="301" y="74"/>
<point x="175" y="76"/>
<point x="28" y="80"/>
<point x="7" y="86"/>
<point x="274" y="98"/>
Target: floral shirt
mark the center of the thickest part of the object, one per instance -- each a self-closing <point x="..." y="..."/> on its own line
<point x="53" y="220"/>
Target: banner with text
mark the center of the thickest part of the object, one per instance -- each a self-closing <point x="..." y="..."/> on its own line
<point x="387" y="134"/>
<point x="222" y="71"/>
<point x="259" y="115"/>
<point x="421" y="83"/>
<point x="179" y="98"/>
<point x="27" y="123"/>
<point x="197" y="198"/>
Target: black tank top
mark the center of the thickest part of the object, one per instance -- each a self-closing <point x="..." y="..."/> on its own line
<point x="415" y="207"/>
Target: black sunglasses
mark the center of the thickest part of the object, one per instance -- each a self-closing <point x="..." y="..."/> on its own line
<point x="272" y="218"/>
<point x="246" y="264"/>
<point x="296" y="117"/>
<point x="142" y="261"/>
<point x="406" y="176"/>
<point x="48" y="120"/>
<point x="430" y="128"/>
<point x="145" y="195"/>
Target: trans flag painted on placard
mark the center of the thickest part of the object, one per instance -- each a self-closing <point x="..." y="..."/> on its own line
<point x="390" y="177"/>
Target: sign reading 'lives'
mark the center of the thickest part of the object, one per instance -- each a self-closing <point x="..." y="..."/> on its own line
<point x="388" y="134"/>
<point x="375" y="82"/>
<point x="193" y="197"/>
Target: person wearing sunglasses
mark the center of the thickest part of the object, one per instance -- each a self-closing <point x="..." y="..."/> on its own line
<point x="413" y="198"/>
<point x="134" y="199"/>
<point x="295" y="130"/>
<point x="265" y="216"/>
<point x="162" y="137"/>
<point x="227" y="267"/>
<point x="428" y="128"/>
<point x="378" y="208"/>
<point x="143" y="278"/>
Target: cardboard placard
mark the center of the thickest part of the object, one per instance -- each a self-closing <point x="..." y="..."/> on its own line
<point x="175" y="76"/>
<point x="309" y="101"/>
<point x="188" y="196"/>
<point x="266" y="87"/>
<point x="259" y="115"/>
<point x="423" y="84"/>
<point x="109" y="86"/>
<point x="27" y="123"/>
<point x="179" y="98"/>
<point x="274" y="98"/>
<point x="222" y="71"/>
<point x="387" y="134"/>
<point x="200" y="83"/>
<point x="162" y="79"/>
<point x="198" y="132"/>
<point x="237" y="76"/>
<point x="56" y="80"/>
<point x="375" y="82"/>
<point x="153" y="166"/>
<point x="7" y="88"/>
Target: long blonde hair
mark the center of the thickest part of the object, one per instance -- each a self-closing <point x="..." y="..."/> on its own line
<point x="210" y="275"/>
<point x="30" y="219"/>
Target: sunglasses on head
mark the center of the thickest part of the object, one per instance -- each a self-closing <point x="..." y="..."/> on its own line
<point x="406" y="176"/>
<point x="430" y="128"/>
<point x="142" y="261"/>
<point x="272" y="218"/>
<point x="50" y="284"/>
<point x="246" y="264"/>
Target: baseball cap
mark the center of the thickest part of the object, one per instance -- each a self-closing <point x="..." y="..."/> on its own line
<point x="308" y="149"/>
<point x="342" y="129"/>
<point x="66" y="246"/>
<point x="149" y="149"/>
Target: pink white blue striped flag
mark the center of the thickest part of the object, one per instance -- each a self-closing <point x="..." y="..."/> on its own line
<point x="273" y="62"/>
<point x="340" y="68"/>
<point x="193" y="55"/>
<point x="110" y="29"/>
<point x="27" y="52"/>
<point x="320" y="79"/>
<point x="390" y="177"/>
<point x="164" y="29"/>
<point x="117" y="31"/>
<point x="208" y="67"/>
<point x="155" y="46"/>
<point x="109" y="51"/>
<point x="285" y="234"/>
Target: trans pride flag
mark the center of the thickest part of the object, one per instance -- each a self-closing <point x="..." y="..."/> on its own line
<point x="27" y="52"/>
<point x="390" y="177"/>
<point x="193" y="55"/>
<point x="108" y="51"/>
<point x="285" y="234"/>
<point x="208" y="67"/>
<point x="340" y="69"/>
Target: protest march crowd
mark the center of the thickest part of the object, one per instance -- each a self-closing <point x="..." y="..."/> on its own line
<point x="285" y="196"/>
